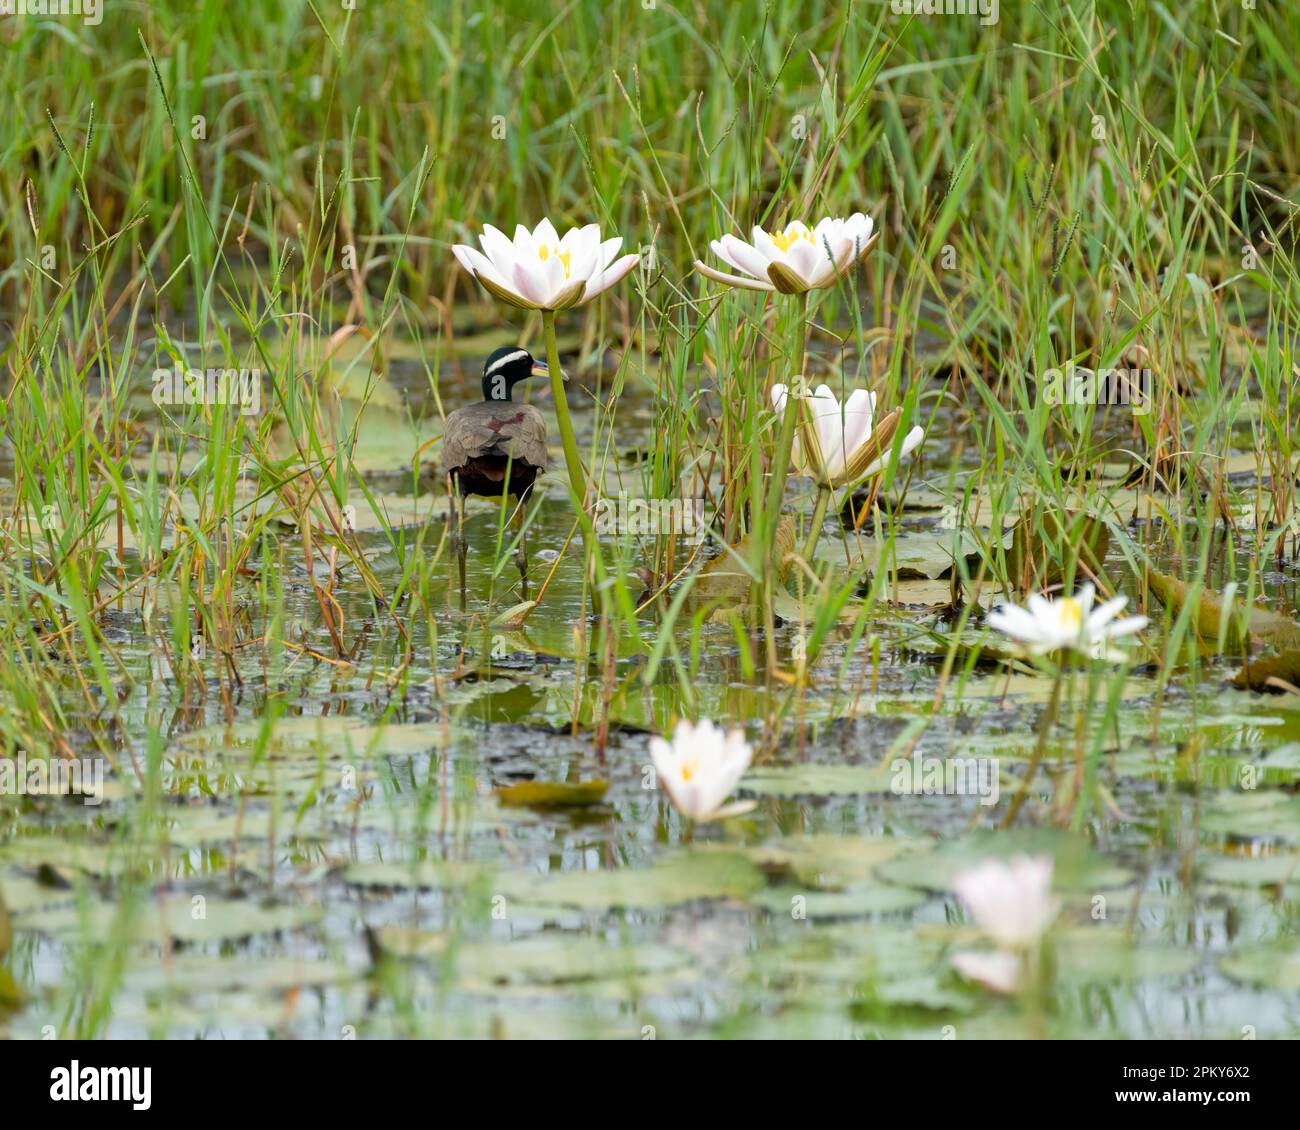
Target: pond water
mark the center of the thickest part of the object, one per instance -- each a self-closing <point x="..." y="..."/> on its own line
<point x="327" y="854"/>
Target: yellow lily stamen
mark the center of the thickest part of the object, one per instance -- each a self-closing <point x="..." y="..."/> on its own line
<point x="544" y="253"/>
<point x="785" y="240"/>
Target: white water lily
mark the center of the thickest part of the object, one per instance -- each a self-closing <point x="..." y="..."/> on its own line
<point x="1012" y="903"/>
<point x="540" y="270"/>
<point x="838" y="445"/>
<point x="700" y="767"/>
<point x="996" y="970"/>
<point x="795" y="260"/>
<point x="1068" y="623"/>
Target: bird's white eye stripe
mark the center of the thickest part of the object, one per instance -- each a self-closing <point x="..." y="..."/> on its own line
<point x="508" y="359"/>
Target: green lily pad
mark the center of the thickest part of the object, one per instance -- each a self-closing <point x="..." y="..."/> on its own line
<point x="1262" y="814"/>
<point x="180" y="919"/>
<point x="1107" y="954"/>
<point x="561" y="960"/>
<point x="683" y="878"/>
<point x="1271" y="966"/>
<point x="817" y="780"/>
<point x="839" y="904"/>
<point x="1254" y="871"/>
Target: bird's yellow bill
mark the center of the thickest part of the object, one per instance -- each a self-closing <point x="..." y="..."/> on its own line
<point x="540" y="369"/>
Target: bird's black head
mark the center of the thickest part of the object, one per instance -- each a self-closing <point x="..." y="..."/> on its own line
<point x="505" y="368"/>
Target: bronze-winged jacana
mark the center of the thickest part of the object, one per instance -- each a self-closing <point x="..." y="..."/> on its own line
<point x="495" y="447"/>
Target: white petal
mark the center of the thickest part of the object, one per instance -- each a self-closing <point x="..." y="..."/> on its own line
<point x="1100" y="616"/>
<point x="999" y="971"/>
<point x="608" y="277"/>
<point x="731" y="280"/>
<point x="545" y="235"/>
<point x="911" y="442"/>
<point x="498" y="249"/>
<point x="743" y="257"/>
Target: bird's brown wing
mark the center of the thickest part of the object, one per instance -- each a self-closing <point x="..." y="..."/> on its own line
<point x="528" y="438"/>
<point x="467" y="435"/>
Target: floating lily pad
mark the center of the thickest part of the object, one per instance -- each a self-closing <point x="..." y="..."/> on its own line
<point x="683" y="878"/>
<point x="180" y="919"/>
<point x="559" y="960"/>
<point x="426" y="874"/>
<point x="188" y="974"/>
<point x="1273" y="966"/>
<point x="1254" y="871"/>
<point x="1108" y="954"/>
<point x="1261" y="814"/>
<point x="329" y="736"/>
<point x="817" y="780"/>
<point x="794" y="901"/>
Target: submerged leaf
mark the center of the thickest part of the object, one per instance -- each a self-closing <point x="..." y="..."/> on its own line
<point x="553" y="794"/>
<point x="1211" y="612"/>
<point x="723" y="582"/>
<point x="1276" y="673"/>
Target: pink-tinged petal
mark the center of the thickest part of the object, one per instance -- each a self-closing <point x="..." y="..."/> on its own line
<point x="731" y="280"/>
<point x="460" y="251"/>
<point x="762" y="243"/>
<point x="582" y="245"/>
<point x="608" y="251"/>
<point x="803" y="259"/>
<point x="610" y="276"/>
<point x="557" y="279"/>
<point x="743" y="257"/>
<point x="998" y="971"/>
<point x="531" y="285"/>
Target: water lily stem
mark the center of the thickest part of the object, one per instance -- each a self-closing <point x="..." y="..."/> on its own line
<point x="771" y="570"/>
<point x="793" y="406"/>
<point x="577" y="476"/>
<point x="819" y="516"/>
<point x="1045" y="728"/>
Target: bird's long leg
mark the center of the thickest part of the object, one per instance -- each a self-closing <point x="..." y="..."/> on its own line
<point x="521" y="550"/>
<point x="458" y="531"/>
